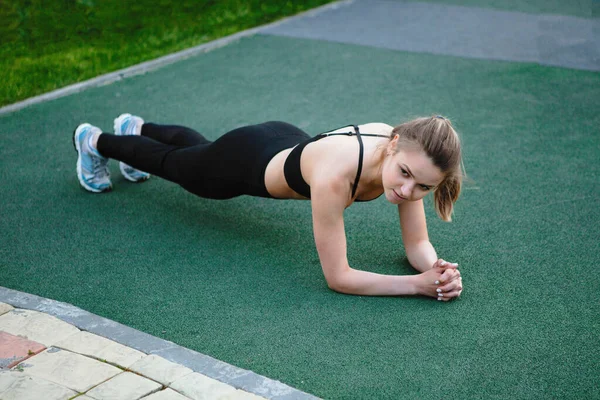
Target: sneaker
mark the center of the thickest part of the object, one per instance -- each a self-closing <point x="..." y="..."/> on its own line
<point x="127" y="124"/>
<point x="92" y="168"/>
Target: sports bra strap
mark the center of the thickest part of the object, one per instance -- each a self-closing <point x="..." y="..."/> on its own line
<point x="356" y="132"/>
<point x="361" y="151"/>
<point x="360" y="160"/>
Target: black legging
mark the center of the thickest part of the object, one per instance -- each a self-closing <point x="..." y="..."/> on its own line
<point x="231" y="166"/>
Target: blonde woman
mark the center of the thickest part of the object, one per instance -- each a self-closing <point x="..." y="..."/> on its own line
<point x="333" y="170"/>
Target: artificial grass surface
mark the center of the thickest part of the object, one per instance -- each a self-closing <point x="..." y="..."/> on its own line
<point x="240" y="279"/>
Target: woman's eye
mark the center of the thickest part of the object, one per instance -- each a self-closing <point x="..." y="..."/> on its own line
<point x="404" y="172"/>
<point x="426" y="188"/>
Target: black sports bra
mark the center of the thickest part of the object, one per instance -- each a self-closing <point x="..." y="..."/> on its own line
<point x="291" y="168"/>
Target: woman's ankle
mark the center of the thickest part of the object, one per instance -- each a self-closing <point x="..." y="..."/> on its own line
<point x="94" y="140"/>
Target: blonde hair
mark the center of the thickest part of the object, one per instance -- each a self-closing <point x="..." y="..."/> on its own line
<point x="438" y="139"/>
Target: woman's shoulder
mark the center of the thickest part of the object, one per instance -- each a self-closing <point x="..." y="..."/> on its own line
<point x="378" y="128"/>
<point x="339" y="153"/>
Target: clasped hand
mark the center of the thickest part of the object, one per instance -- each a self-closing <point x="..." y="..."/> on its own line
<point x="442" y="281"/>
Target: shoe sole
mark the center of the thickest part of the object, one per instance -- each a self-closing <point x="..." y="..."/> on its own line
<point x="129" y="177"/>
<point x="118" y="122"/>
<point x="76" y="133"/>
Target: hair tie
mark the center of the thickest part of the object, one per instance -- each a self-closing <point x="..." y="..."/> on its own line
<point x="440" y="117"/>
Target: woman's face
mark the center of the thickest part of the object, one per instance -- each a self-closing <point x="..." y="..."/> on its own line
<point x="409" y="175"/>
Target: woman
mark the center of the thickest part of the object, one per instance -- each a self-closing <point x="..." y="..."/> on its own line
<point x="333" y="169"/>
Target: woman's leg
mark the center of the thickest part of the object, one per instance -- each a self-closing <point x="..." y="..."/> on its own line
<point x="195" y="168"/>
<point x="129" y="125"/>
<point x="140" y="152"/>
<point x="230" y="166"/>
<point x="173" y="134"/>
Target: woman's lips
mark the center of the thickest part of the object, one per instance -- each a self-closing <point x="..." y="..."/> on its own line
<point x="398" y="196"/>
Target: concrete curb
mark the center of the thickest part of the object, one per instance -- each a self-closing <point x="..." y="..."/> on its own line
<point x="160" y="62"/>
<point x="201" y="363"/>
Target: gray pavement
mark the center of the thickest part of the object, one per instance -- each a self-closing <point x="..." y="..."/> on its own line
<point x="471" y="32"/>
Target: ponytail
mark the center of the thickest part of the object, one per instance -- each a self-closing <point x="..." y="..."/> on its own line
<point x="445" y="195"/>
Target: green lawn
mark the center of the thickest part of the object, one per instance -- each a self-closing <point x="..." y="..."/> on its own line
<point x="45" y="45"/>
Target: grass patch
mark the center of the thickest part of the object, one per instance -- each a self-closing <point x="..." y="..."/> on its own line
<point x="47" y="45"/>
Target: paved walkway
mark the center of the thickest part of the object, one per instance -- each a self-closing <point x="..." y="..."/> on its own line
<point x="470" y="32"/>
<point x="54" y="351"/>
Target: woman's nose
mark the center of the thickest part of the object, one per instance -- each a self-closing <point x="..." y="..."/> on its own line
<point x="406" y="190"/>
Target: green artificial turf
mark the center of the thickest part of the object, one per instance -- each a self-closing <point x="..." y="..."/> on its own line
<point x="240" y="279"/>
<point x="45" y="45"/>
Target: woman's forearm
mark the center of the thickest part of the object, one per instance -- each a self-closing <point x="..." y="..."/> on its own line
<point x="421" y="255"/>
<point x="357" y="282"/>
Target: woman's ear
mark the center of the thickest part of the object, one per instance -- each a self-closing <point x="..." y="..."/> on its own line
<point x="391" y="147"/>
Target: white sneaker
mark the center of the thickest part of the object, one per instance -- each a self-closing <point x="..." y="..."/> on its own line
<point x="92" y="168"/>
<point x="127" y="124"/>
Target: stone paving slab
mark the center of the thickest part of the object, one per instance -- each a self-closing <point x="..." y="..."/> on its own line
<point x="4" y="308"/>
<point x="36" y="326"/>
<point x="14" y="349"/>
<point x="234" y="376"/>
<point x="125" y="386"/>
<point x="167" y="394"/>
<point x="160" y="370"/>
<point x="88" y="344"/>
<point x="15" y="385"/>
<point x="199" y="387"/>
<point x="68" y="369"/>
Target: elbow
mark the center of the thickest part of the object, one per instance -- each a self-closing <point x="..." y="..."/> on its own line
<point x="334" y="285"/>
<point x="339" y="283"/>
